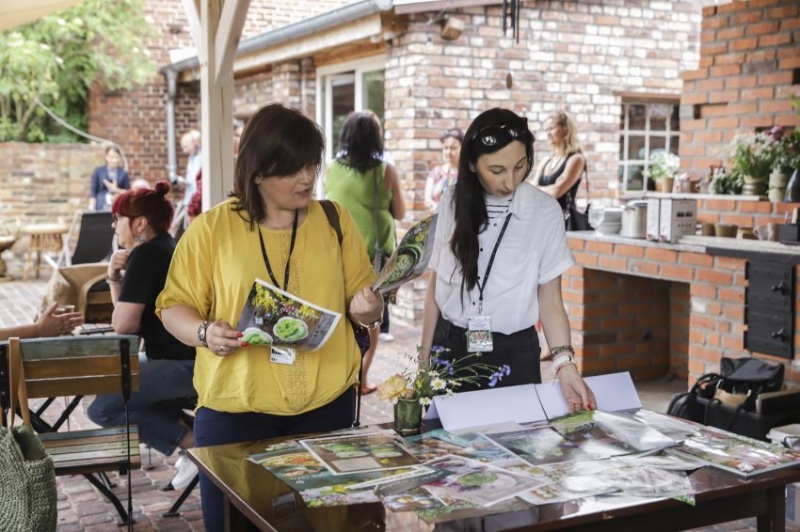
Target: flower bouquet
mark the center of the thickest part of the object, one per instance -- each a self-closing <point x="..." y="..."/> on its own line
<point x="415" y="388"/>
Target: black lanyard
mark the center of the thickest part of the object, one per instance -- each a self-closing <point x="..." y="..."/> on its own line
<point x="481" y="286"/>
<point x="288" y="259"/>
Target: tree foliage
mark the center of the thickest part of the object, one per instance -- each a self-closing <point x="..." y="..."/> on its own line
<point x="59" y="57"/>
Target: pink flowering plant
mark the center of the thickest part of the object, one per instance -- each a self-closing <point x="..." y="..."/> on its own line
<point x="754" y="154"/>
<point x="440" y="377"/>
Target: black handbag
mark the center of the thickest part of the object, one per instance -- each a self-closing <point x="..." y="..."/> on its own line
<point x="574" y="218"/>
<point x="727" y="399"/>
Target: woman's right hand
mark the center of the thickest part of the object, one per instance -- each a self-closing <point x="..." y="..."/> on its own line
<point x="222" y="339"/>
<point x="117" y="263"/>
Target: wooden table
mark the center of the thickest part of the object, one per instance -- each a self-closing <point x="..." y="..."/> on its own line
<point x="43" y="238"/>
<point x="254" y="495"/>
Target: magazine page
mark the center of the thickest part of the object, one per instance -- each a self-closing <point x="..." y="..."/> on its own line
<point x="456" y="509"/>
<point x="676" y="428"/>
<point x="411" y="500"/>
<point x="738" y="454"/>
<point x="272" y="317"/>
<point x="475" y="482"/>
<point x="360" y="452"/>
<point x="410" y="258"/>
<point x="539" y="446"/>
<point x="439" y="442"/>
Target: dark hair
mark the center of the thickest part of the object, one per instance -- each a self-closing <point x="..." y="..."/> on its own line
<point x="276" y="142"/>
<point x="361" y="142"/>
<point x="469" y="205"/>
<point x="150" y="203"/>
<point x="114" y="148"/>
<point x="454" y="133"/>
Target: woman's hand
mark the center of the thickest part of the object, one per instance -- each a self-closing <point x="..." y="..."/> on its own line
<point x="577" y="394"/>
<point x="49" y="324"/>
<point x="117" y="263"/>
<point x="366" y="306"/>
<point x="222" y="339"/>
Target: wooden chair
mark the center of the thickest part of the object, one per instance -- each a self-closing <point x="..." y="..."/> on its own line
<point x="78" y="366"/>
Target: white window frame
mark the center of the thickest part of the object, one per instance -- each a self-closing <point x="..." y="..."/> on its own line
<point x="324" y="76"/>
<point x="626" y="133"/>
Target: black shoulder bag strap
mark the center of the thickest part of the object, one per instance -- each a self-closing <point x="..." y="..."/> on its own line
<point x="333" y="219"/>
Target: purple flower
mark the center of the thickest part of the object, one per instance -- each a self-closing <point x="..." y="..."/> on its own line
<point x="506" y="369"/>
<point x="776" y="133"/>
<point x="493" y="380"/>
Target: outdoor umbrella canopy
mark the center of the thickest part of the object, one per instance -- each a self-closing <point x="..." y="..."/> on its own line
<point x="16" y="12"/>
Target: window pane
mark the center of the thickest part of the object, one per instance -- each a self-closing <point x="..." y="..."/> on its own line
<point x="635" y="177"/>
<point x="657" y="144"/>
<point x="622" y="147"/>
<point x="636" y="117"/>
<point x="343" y="97"/>
<point x="659" y="114"/>
<point x="673" y="144"/>
<point x="675" y="120"/>
<point x="636" y="147"/>
<point x="372" y="98"/>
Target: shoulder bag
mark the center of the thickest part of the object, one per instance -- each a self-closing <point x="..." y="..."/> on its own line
<point x="28" y="495"/>
<point x="574" y="218"/>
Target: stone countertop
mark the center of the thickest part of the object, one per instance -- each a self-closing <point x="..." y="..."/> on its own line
<point x="692" y="243"/>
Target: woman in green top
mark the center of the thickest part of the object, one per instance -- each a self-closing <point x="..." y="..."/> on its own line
<point x="369" y="189"/>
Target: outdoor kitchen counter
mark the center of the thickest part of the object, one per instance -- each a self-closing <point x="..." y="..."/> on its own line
<point x="695" y="244"/>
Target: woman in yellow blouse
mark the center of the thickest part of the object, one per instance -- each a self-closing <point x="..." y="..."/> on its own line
<point x="271" y="230"/>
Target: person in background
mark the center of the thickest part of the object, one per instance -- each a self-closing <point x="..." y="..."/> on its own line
<point x="108" y="180"/>
<point x="49" y="323"/>
<point x="140" y="182"/>
<point x="273" y="230"/>
<point x="445" y="174"/>
<point x="560" y="174"/>
<point x="369" y="189"/>
<point x="196" y="204"/>
<point x="136" y="275"/>
<point x="499" y="251"/>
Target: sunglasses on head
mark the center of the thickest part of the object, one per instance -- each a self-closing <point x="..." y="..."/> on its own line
<point x="492" y="135"/>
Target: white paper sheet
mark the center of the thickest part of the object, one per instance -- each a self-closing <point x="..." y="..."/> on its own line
<point x="528" y="403"/>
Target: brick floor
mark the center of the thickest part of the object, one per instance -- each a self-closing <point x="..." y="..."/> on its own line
<point x="82" y="508"/>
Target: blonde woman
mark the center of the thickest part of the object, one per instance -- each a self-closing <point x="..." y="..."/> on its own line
<point x="560" y="174"/>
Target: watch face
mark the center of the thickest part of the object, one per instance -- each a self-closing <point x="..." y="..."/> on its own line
<point x="201" y="332"/>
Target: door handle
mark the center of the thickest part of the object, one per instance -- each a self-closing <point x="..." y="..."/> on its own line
<point x="780" y="334"/>
<point x="781" y="287"/>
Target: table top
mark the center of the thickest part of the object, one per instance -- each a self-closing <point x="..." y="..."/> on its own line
<point x="264" y="499"/>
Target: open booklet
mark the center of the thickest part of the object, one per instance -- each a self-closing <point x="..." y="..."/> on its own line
<point x="410" y="258"/>
<point x="272" y="317"/>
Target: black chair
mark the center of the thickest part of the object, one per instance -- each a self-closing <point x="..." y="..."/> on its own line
<point x="187" y="406"/>
<point x="95" y="240"/>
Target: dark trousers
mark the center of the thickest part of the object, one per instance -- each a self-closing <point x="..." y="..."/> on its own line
<point x="215" y="428"/>
<point x="519" y="350"/>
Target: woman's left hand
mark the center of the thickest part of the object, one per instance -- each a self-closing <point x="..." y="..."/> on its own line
<point x="577" y="394"/>
<point x="366" y="306"/>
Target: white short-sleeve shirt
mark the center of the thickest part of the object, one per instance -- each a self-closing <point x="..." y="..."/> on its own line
<point x="532" y="252"/>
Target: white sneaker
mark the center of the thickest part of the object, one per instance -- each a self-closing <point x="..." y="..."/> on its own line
<point x="386" y="337"/>
<point x="186" y="471"/>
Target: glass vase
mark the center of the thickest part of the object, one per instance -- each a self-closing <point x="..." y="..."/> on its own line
<point x="407" y="417"/>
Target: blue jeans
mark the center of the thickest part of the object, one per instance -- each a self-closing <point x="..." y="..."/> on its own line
<point x="215" y="428"/>
<point x="159" y="425"/>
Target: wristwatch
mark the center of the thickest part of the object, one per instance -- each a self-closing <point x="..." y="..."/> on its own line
<point x="201" y="333"/>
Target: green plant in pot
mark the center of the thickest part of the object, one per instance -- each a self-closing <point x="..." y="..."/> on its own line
<point x="753" y="156"/>
<point x="663" y="169"/>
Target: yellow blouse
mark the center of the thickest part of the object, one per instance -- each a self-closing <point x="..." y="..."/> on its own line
<point x="212" y="271"/>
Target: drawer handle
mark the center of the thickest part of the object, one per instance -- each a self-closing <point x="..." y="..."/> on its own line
<point x="780" y="334"/>
<point x="781" y="287"/>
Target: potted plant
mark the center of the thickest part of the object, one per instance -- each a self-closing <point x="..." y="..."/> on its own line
<point x="663" y="169"/>
<point x="753" y="157"/>
<point x="412" y="390"/>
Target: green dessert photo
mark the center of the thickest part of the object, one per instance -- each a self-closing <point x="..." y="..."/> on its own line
<point x="289" y="329"/>
<point x="255" y="336"/>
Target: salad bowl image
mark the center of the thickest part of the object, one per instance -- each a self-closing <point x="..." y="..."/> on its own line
<point x="289" y="329"/>
<point x="255" y="336"/>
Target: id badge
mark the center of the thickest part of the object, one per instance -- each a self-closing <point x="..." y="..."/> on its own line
<point x="479" y="334"/>
<point x="282" y="355"/>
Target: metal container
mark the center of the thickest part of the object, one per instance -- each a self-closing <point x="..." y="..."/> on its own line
<point x="634" y="220"/>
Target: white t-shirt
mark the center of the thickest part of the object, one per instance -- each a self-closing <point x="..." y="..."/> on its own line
<point x="533" y="251"/>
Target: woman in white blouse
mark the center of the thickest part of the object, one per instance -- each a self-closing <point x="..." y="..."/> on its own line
<point x="499" y="252"/>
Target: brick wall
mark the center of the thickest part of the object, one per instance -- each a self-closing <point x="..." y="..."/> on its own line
<point x="701" y="309"/>
<point x="744" y="213"/>
<point x="749" y="67"/>
<point x="578" y="55"/>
